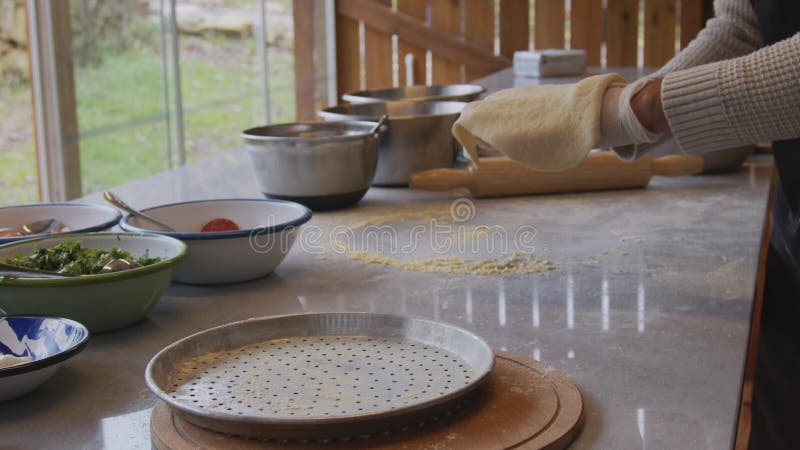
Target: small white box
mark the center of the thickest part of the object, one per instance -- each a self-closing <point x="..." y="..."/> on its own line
<point x="549" y="63"/>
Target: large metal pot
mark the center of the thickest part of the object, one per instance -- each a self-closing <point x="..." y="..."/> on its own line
<point x="718" y="161"/>
<point x="323" y="165"/>
<point x="418" y="136"/>
<point x="454" y="92"/>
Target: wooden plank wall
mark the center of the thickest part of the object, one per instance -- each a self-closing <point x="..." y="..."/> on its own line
<point x="446" y="16"/>
<point x="416" y="9"/>
<point x="659" y="32"/>
<point x="586" y="28"/>
<point x="304" y="60"/>
<point x="622" y="32"/>
<point x="615" y="35"/>
<point x="514" y="26"/>
<point x="548" y="24"/>
<point x="479" y="29"/>
<point x="348" y="54"/>
<point x="378" y="54"/>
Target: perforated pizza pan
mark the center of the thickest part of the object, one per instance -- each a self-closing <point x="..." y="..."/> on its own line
<point x="318" y="375"/>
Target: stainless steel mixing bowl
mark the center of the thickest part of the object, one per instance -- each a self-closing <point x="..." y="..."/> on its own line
<point x="718" y="161"/>
<point x="323" y="165"/>
<point x="418" y="136"/>
<point x="727" y="160"/>
<point x="455" y="92"/>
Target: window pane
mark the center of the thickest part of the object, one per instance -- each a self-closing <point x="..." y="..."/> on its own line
<point x="125" y="85"/>
<point x="18" y="173"/>
<point x="119" y="87"/>
<point x="222" y="82"/>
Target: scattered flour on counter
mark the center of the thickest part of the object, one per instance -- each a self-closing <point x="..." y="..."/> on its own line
<point x="428" y="213"/>
<point x="463" y="235"/>
<point x="509" y="264"/>
<point x="730" y="268"/>
<point x="620" y="234"/>
<point x="504" y="264"/>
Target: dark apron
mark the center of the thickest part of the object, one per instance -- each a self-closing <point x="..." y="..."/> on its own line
<point x="776" y="391"/>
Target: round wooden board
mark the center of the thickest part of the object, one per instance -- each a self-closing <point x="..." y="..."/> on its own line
<point x="523" y="404"/>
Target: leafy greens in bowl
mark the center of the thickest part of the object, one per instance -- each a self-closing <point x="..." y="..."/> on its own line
<point x="71" y="258"/>
<point x="102" y="302"/>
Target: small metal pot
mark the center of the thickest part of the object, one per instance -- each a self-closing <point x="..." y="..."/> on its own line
<point x="418" y="136"/>
<point x="454" y="92"/>
<point x="322" y="165"/>
<point x="717" y="161"/>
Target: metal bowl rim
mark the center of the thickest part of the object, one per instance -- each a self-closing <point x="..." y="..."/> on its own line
<point x="329" y="111"/>
<point x="92" y="228"/>
<point x="248" y="134"/>
<point x="305" y="216"/>
<point x="51" y="360"/>
<point x="363" y="96"/>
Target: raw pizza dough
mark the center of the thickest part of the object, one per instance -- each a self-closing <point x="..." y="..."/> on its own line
<point x="550" y="128"/>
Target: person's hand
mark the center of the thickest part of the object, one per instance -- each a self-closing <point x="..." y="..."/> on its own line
<point x="554" y="127"/>
<point x="632" y="114"/>
<point x="646" y="104"/>
<point x="545" y="127"/>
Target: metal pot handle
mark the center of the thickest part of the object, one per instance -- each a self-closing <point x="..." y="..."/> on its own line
<point x="380" y="128"/>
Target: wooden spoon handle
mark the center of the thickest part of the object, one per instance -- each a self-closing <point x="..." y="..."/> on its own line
<point x="440" y="179"/>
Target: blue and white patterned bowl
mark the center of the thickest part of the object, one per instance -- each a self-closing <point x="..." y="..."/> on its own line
<point x="49" y="341"/>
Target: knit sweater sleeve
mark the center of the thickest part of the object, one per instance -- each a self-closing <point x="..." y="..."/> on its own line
<point x="739" y="101"/>
<point x="732" y="32"/>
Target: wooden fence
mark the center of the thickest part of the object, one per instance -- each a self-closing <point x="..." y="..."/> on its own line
<point x="460" y="40"/>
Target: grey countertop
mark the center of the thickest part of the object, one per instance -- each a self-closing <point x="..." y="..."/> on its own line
<point x="648" y="309"/>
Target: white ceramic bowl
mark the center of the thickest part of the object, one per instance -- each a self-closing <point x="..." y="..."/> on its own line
<point x="267" y="231"/>
<point x="102" y="302"/>
<point x="78" y="217"/>
<point x="48" y="341"/>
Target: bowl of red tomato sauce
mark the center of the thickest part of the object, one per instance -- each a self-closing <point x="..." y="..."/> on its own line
<point x="229" y="241"/>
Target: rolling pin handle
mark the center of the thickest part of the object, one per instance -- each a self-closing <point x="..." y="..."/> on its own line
<point x="440" y="179"/>
<point x="677" y="165"/>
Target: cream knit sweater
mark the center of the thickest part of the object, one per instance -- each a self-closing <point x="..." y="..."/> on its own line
<point x="725" y="89"/>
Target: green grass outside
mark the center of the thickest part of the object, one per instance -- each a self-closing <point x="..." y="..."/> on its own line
<point x="220" y="99"/>
<point x="19" y="176"/>
<point x="17" y="158"/>
<point x="124" y="95"/>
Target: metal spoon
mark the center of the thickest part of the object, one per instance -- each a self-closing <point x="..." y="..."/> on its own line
<point x="118" y="265"/>
<point x="41" y="226"/>
<point x="115" y="265"/>
<point x="10" y="269"/>
<point x="378" y="130"/>
<point x="114" y="200"/>
<point x="38" y="227"/>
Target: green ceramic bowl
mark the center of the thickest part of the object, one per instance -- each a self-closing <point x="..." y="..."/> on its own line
<point x="101" y="302"/>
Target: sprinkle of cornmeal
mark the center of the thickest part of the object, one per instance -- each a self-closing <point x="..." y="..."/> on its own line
<point x="510" y="264"/>
<point x="423" y="213"/>
<point x="506" y="264"/>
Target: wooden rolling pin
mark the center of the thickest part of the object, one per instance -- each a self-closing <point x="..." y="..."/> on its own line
<point x="500" y="176"/>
